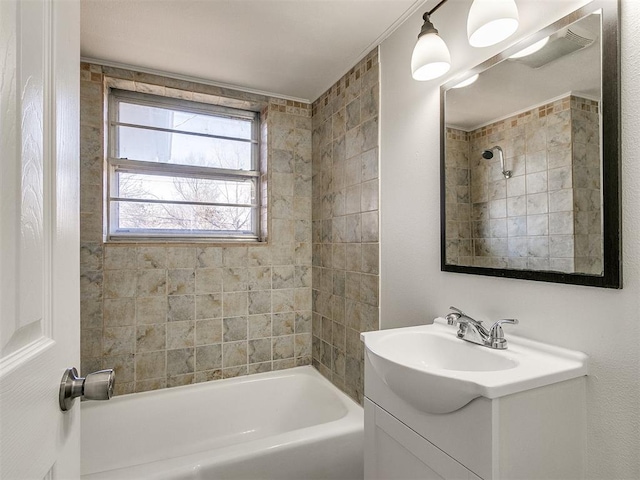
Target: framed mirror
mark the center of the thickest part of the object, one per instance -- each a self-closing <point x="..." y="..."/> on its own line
<point x="530" y="159"/>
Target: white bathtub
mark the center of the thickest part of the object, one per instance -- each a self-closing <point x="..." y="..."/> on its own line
<point x="287" y="425"/>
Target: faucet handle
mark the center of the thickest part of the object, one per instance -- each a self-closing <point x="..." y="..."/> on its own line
<point x="496" y="334"/>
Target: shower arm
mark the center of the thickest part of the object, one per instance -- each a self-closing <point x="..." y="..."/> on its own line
<point x="506" y="173"/>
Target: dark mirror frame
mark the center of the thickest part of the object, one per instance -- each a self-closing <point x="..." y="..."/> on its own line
<point x="611" y="161"/>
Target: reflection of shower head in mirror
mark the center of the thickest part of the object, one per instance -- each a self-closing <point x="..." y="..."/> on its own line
<point x="488" y="155"/>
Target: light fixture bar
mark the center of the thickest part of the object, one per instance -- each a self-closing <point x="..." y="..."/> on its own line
<point x="432" y="11"/>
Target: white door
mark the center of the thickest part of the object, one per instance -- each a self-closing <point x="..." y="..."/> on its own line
<point x="39" y="235"/>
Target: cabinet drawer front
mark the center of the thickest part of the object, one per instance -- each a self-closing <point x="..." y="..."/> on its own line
<point x="395" y="451"/>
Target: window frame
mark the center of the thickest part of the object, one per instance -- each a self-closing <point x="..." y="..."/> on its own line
<point x="114" y="165"/>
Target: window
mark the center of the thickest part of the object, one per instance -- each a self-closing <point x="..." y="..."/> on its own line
<point x="181" y="170"/>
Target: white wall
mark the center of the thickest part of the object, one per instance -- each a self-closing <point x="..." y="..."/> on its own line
<point x="603" y="323"/>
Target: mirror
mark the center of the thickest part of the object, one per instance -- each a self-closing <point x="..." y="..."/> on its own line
<point x="530" y="157"/>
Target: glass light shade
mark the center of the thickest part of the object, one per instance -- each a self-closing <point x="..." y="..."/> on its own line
<point x="431" y="58"/>
<point x="491" y="21"/>
<point x="531" y="48"/>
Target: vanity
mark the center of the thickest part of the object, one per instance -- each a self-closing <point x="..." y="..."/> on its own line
<point x="437" y="406"/>
<point x="530" y="190"/>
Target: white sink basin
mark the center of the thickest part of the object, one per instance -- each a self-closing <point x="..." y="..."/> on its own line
<point x="436" y="372"/>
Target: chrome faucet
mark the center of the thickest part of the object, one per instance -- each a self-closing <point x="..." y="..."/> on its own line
<point x="473" y="331"/>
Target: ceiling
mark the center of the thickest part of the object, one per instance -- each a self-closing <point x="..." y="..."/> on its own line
<point x="290" y="48"/>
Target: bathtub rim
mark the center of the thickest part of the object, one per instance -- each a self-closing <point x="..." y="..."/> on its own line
<point x="307" y="370"/>
<point x="351" y="423"/>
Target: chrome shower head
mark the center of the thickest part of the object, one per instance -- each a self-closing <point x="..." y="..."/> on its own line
<point x="488" y="155"/>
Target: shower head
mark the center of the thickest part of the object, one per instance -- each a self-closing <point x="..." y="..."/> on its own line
<point x="488" y="155"/>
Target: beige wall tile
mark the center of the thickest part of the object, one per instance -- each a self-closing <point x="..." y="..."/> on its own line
<point x="151" y="257"/>
<point x="149" y="385"/>
<point x="259" y="278"/>
<point x="259" y="368"/>
<point x="344" y="214"/>
<point x="209" y="280"/>
<point x="208" y="375"/>
<point x="259" y="326"/>
<point x="150" y="366"/>
<point x="235" y="371"/>
<point x="208" y="331"/>
<point x="180" y="334"/>
<point x="156" y="311"/>
<point x="117" y="257"/>
<point x="259" y="350"/>
<point x="180" y="380"/>
<point x="234" y="279"/>
<point x="119" y="312"/>
<point x="181" y="281"/>
<point x="181" y="308"/>
<point x="180" y="362"/>
<point x="118" y="341"/>
<point x="123" y="366"/>
<point x="91" y="256"/>
<point x="91" y="314"/>
<point x="209" y="306"/>
<point x="91" y="284"/>
<point x="282" y="347"/>
<point x="149" y="282"/>
<point x="151" y="310"/>
<point x="209" y="357"/>
<point x="91" y="343"/>
<point x="234" y="354"/>
<point x="150" y="338"/>
<point x="234" y="329"/>
<point x="209" y="257"/>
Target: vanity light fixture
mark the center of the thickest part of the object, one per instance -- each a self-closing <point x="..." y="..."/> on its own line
<point x="467" y="82"/>
<point x="430" y="58"/>
<point x="491" y="21"/>
<point x="533" y="48"/>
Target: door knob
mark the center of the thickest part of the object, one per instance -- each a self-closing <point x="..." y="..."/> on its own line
<point x="95" y="386"/>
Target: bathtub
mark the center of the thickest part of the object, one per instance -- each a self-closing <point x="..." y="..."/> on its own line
<point x="287" y="425"/>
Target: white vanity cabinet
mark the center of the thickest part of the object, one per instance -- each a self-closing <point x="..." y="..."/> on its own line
<point x="394" y="451"/>
<point x="534" y="434"/>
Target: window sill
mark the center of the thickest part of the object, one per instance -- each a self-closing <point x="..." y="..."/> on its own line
<point x="185" y="241"/>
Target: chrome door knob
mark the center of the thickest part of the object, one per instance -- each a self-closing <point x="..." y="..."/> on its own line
<point x="95" y="386"/>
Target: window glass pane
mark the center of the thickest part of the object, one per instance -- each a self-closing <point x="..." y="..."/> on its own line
<point x="181" y="219"/>
<point x="181" y="149"/>
<point x="146" y="195"/>
<point x="184" y="121"/>
<point x="158" y="187"/>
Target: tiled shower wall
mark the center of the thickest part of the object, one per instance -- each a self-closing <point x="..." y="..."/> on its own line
<point x="547" y="215"/>
<point x="587" y="195"/>
<point x="174" y="314"/>
<point x="345" y="224"/>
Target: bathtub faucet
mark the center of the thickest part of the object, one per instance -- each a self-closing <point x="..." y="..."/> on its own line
<point x="473" y="331"/>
